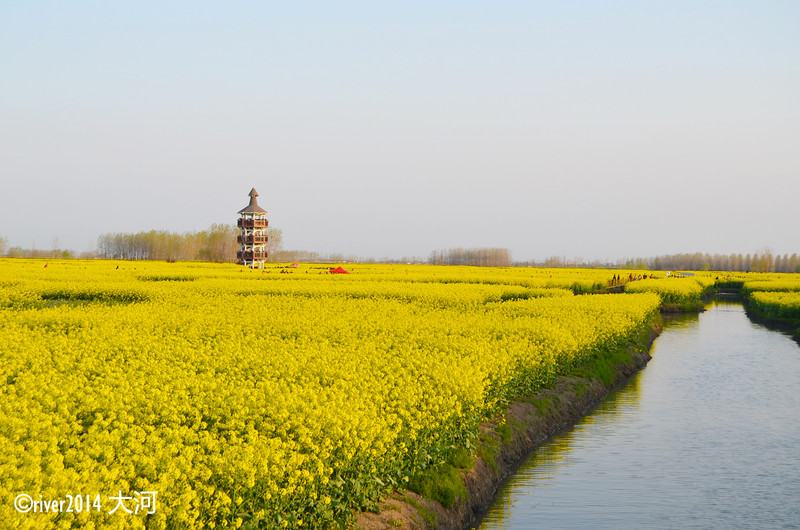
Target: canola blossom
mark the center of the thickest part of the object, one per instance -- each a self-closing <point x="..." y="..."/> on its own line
<point x="677" y="291"/>
<point x="774" y="297"/>
<point x="780" y="283"/>
<point x="282" y="400"/>
<point x="783" y="306"/>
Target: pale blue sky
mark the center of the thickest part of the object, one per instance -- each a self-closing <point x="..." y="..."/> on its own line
<point x="591" y="129"/>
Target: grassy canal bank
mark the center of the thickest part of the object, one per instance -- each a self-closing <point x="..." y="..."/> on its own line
<point x="776" y="310"/>
<point x="455" y="494"/>
<point x="773" y="300"/>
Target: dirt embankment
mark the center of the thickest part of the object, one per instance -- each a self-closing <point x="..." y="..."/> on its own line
<point x="527" y="424"/>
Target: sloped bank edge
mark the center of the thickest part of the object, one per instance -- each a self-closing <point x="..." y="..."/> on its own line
<point x="789" y="326"/>
<point x="526" y="425"/>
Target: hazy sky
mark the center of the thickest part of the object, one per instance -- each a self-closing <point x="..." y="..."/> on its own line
<point x="580" y="129"/>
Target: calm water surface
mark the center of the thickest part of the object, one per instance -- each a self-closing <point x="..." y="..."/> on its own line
<point x="707" y="436"/>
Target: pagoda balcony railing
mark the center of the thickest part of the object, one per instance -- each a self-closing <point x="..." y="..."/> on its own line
<point x="252" y="240"/>
<point x="253" y="223"/>
<point x="250" y="254"/>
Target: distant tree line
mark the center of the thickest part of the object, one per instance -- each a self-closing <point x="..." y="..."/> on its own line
<point x="763" y="261"/>
<point x="217" y="244"/>
<point x="19" y="252"/>
<point x="307" y="256"/>
<point x="478" y="257"/>
<point x="554" y="262"/>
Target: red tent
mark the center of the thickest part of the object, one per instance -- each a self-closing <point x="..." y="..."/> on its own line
<point x="338" y="270"/>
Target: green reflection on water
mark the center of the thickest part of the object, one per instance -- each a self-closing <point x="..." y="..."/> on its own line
<point x="704" y="437"/>
<point x="544" y="464"/>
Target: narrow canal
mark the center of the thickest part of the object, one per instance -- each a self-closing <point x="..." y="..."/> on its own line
<point x="706" y="436"/>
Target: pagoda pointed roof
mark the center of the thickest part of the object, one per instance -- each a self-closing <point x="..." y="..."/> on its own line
<point x="253" y="207"/>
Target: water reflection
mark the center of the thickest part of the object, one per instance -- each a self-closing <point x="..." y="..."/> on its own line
<point x="705" y="436"/>
<point x="544" y="466"/>
<point x="681" y="320"/>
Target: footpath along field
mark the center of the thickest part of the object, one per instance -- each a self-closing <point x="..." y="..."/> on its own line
<point x="258" y="399"/>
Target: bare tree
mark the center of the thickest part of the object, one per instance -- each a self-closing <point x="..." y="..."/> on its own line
<point x="480" y="257"/>
<point x="217" y="243"/>
<point x="274" y="243"/>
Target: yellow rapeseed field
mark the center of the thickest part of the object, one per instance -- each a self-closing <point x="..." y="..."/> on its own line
<point x="774" y="297"/>
<point x="776" y="305"/>
<point x="248" y="398"/>
<point x="673" y="291"/>
<point x="779" y="283"/>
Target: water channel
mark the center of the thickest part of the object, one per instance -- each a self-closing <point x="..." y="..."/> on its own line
<point x="706" y="436"/>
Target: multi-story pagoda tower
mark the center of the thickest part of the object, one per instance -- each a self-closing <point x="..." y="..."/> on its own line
<point x="253" y="223"/>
